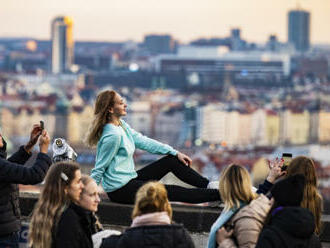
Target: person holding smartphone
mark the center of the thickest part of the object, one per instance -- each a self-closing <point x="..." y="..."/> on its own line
<point x="12" y="172"/>
<point x="287" y="223"/>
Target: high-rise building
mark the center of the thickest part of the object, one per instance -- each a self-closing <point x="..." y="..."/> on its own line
<point x="272" y="43"/>
<point x="158" y="44"/>
<point x="236" y="33"/>
<point x="237" y="44"/>
<point x="299" y="29"/>
<point x="62" y="44"/>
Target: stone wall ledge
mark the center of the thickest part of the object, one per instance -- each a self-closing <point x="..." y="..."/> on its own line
<point x="197" y="219"/>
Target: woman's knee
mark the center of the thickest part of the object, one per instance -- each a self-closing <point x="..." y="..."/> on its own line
<point x="171" y="159"/>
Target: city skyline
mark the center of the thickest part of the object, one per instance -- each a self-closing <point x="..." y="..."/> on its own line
<point x="185" y="20"/>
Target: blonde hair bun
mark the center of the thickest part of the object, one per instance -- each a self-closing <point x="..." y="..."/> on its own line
<point x="150" y="198"/>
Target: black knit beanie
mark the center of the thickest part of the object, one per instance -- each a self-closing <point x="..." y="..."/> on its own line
<point x="289" y="191"/>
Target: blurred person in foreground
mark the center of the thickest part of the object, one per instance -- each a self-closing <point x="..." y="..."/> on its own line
<point x="312" y="199"/>
<point x="244" y="210"/>
<point x="55" y="220"/>
<point x="13" y="172"/>
<point x="152" y="223"/>
<point x="288" y="224"/>
<point x="116" y="142"/>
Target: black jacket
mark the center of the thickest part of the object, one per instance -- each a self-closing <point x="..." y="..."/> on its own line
<point x="162" y="236"/>
<point x="289" y="228"/>
<point x="75" y="228"/>
<point x="12" y="172"/>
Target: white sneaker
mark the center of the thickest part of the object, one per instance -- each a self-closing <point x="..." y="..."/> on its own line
<point x="213" y="185"/>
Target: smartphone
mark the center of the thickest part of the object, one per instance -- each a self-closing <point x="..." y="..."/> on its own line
<point x="287" y="157"/>
<point x="42" y="125"/>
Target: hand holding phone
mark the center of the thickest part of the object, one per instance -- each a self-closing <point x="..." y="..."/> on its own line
<point x="42" y="125"/>
<point x="34" y="136"/>
<point x="275" y="169"/>
<point x="287" y="157"/>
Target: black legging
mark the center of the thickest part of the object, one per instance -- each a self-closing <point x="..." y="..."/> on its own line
<point x="159" y="169"/>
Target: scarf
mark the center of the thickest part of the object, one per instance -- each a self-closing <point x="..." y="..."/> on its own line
<point x="157" y="218"/>
<point x="220" y="222"/>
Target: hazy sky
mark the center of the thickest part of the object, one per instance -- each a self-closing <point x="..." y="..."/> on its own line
<point x="118" y="20"/>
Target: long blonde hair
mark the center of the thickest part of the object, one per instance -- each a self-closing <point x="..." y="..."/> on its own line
<point x="51" y="204"/>
<point x="86" y="179"/>
<point x="150" y="198"/>
<point x="104" y="101"/>
<point x="312" y="199"/>
<point x="235" y="186"/>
